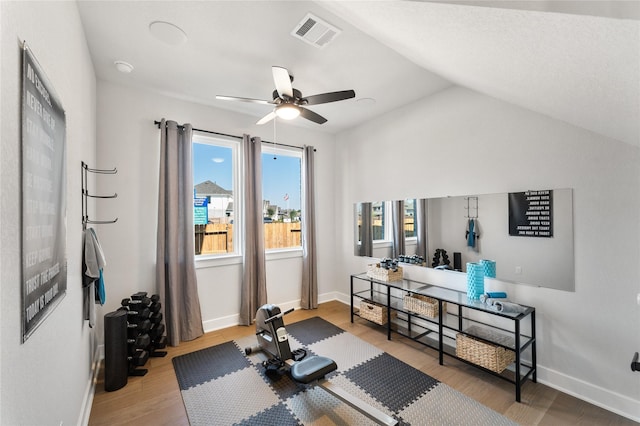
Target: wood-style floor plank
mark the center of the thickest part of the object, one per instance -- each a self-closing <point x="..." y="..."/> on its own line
<point x="155" y="398"/>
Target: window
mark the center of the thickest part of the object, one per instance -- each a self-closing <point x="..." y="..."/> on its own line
<point x="215" y="195"/>
<point x="379" y="220"/>
<point x="282" y="197"/>
<point x="409" y="218"/>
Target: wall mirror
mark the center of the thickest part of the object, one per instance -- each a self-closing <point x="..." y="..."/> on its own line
<point x="529" y="234"/>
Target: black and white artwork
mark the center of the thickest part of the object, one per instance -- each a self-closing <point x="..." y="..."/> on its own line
<point x="44" y="258"/>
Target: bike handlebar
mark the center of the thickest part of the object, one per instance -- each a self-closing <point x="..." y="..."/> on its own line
<point x="280" y="315"/>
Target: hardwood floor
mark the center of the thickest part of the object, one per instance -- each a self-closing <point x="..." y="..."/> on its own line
<point x="154" y="399"/>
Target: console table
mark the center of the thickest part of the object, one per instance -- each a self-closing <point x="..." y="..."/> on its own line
<point x="453" y="326"/>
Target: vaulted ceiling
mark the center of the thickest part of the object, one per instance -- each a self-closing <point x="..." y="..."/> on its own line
<point x="575" y="61"/>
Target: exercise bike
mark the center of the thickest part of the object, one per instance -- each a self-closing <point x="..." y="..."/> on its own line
<point x="273" y="341"/>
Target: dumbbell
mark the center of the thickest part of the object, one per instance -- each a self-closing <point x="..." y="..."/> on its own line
<point x="140" y="327"/>
<point x="135" y="303"/>
<point x="136" y="315"/>
<point x="139" y="295"/>
<point x="157" y="331"/>
<point x="155" y="306"/>
<point x="155" y="298"/>
<point x="139" y="358"/>
<point x="141" y="341"/>
<point x="159" y="343"/>
<point x="156" y="317"/>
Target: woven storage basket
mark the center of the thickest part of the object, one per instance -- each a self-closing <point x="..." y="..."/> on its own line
<point x="387" y="275"/>
<point x="491" y="357"/>
<point x="422" y="305"/>
<point x="374" y="312"/>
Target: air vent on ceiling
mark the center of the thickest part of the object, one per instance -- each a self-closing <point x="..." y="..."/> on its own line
<point x="315" y="31"/>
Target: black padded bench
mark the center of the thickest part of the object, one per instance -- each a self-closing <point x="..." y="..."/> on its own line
<point x="312" y="368"/>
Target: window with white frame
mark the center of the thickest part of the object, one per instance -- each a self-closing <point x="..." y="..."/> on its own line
<point x="282" y="197"/>
<point x="216" y="195"/>
<point x="409" y="218"/>
<point x="379" y="217"/>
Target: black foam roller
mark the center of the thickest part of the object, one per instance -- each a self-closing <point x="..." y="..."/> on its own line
<point x="457" y="261"/>
<point x="115" y="350"/>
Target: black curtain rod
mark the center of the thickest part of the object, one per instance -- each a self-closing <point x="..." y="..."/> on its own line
<point x="157" y="123"/>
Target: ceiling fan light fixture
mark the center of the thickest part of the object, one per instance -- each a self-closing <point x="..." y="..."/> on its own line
<point x="287" y="111"/>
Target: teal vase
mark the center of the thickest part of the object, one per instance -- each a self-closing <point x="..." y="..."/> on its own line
<point x="489" y="267"/>
<point x="475" y="280"/>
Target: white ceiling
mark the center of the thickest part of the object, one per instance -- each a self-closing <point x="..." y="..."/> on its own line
<point x="579" y="63"/>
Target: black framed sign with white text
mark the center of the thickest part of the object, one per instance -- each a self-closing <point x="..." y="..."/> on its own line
<point x="531" y="214"/>
<point x="44" y="208"/>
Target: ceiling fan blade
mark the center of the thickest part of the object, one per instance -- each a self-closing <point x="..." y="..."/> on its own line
<point x="235" y="98"/>
<point x="282" y="81"/>
<point x="325" y="98"/>
<point x="267" y="118"/>
<point x="310" y="115"/>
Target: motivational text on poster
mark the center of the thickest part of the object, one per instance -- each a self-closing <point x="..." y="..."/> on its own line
<point x="531" y="214"/>
<point x="44" y="262"/>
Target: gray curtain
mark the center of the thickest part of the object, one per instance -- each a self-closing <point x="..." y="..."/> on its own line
<point x="397" y="217"/>
<point x="366" y="230"/>
<point x="421" y="228"/>
<point x="175" y="259"/>
<point x="253" y="292"/>
<point x="309" y="298"/>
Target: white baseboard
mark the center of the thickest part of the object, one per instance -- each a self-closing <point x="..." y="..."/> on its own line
<point x="603" y="398"/>
<point x="233" y="320"/>
<point x="220" y="323"/>
<point x="90" y="391"/>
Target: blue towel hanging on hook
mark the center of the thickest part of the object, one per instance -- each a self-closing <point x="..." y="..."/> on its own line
<point x="471" y="233"/>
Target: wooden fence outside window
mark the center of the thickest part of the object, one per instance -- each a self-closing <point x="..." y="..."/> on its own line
<point x="217" y="238"/>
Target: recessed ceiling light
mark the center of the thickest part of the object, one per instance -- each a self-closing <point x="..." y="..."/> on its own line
<point x="365" y="101"/>
<point x="123" y="66"/>
<point x="168" y="32"/>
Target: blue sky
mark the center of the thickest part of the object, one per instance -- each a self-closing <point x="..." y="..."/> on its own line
<point x="281" y="176"/>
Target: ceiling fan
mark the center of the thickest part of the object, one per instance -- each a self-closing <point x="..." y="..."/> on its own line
<point x="289" y="102"/>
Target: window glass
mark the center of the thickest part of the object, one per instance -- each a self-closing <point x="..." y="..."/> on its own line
<point x="215" y="195"/>
<point x="378" y="220"/>
<point x="409" y="218"/>
<point x="282" y="197"/>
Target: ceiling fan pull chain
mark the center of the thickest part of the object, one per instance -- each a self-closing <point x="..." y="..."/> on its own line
<point x="274" y="137"/>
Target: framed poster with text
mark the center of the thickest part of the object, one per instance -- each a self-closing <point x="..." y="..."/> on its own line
<point x="44" y="207"/>
<point x="531" y="214"/>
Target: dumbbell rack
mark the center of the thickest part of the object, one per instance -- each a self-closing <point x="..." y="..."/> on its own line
<point x="145" y="331"/>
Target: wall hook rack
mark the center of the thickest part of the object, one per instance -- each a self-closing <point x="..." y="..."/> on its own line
<point x="471" y="208"/>
<point x="85" y="194"/>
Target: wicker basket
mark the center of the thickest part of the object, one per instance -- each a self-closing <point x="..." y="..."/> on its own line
<point x="374" y="312"/>
<point x="422" y="305"/>
<point x="381" y="274"/>
<point x="491" y="357"/>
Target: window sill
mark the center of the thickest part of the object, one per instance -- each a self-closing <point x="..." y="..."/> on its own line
<point x="213" y="261"/>
<point x="284" y="253"/>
